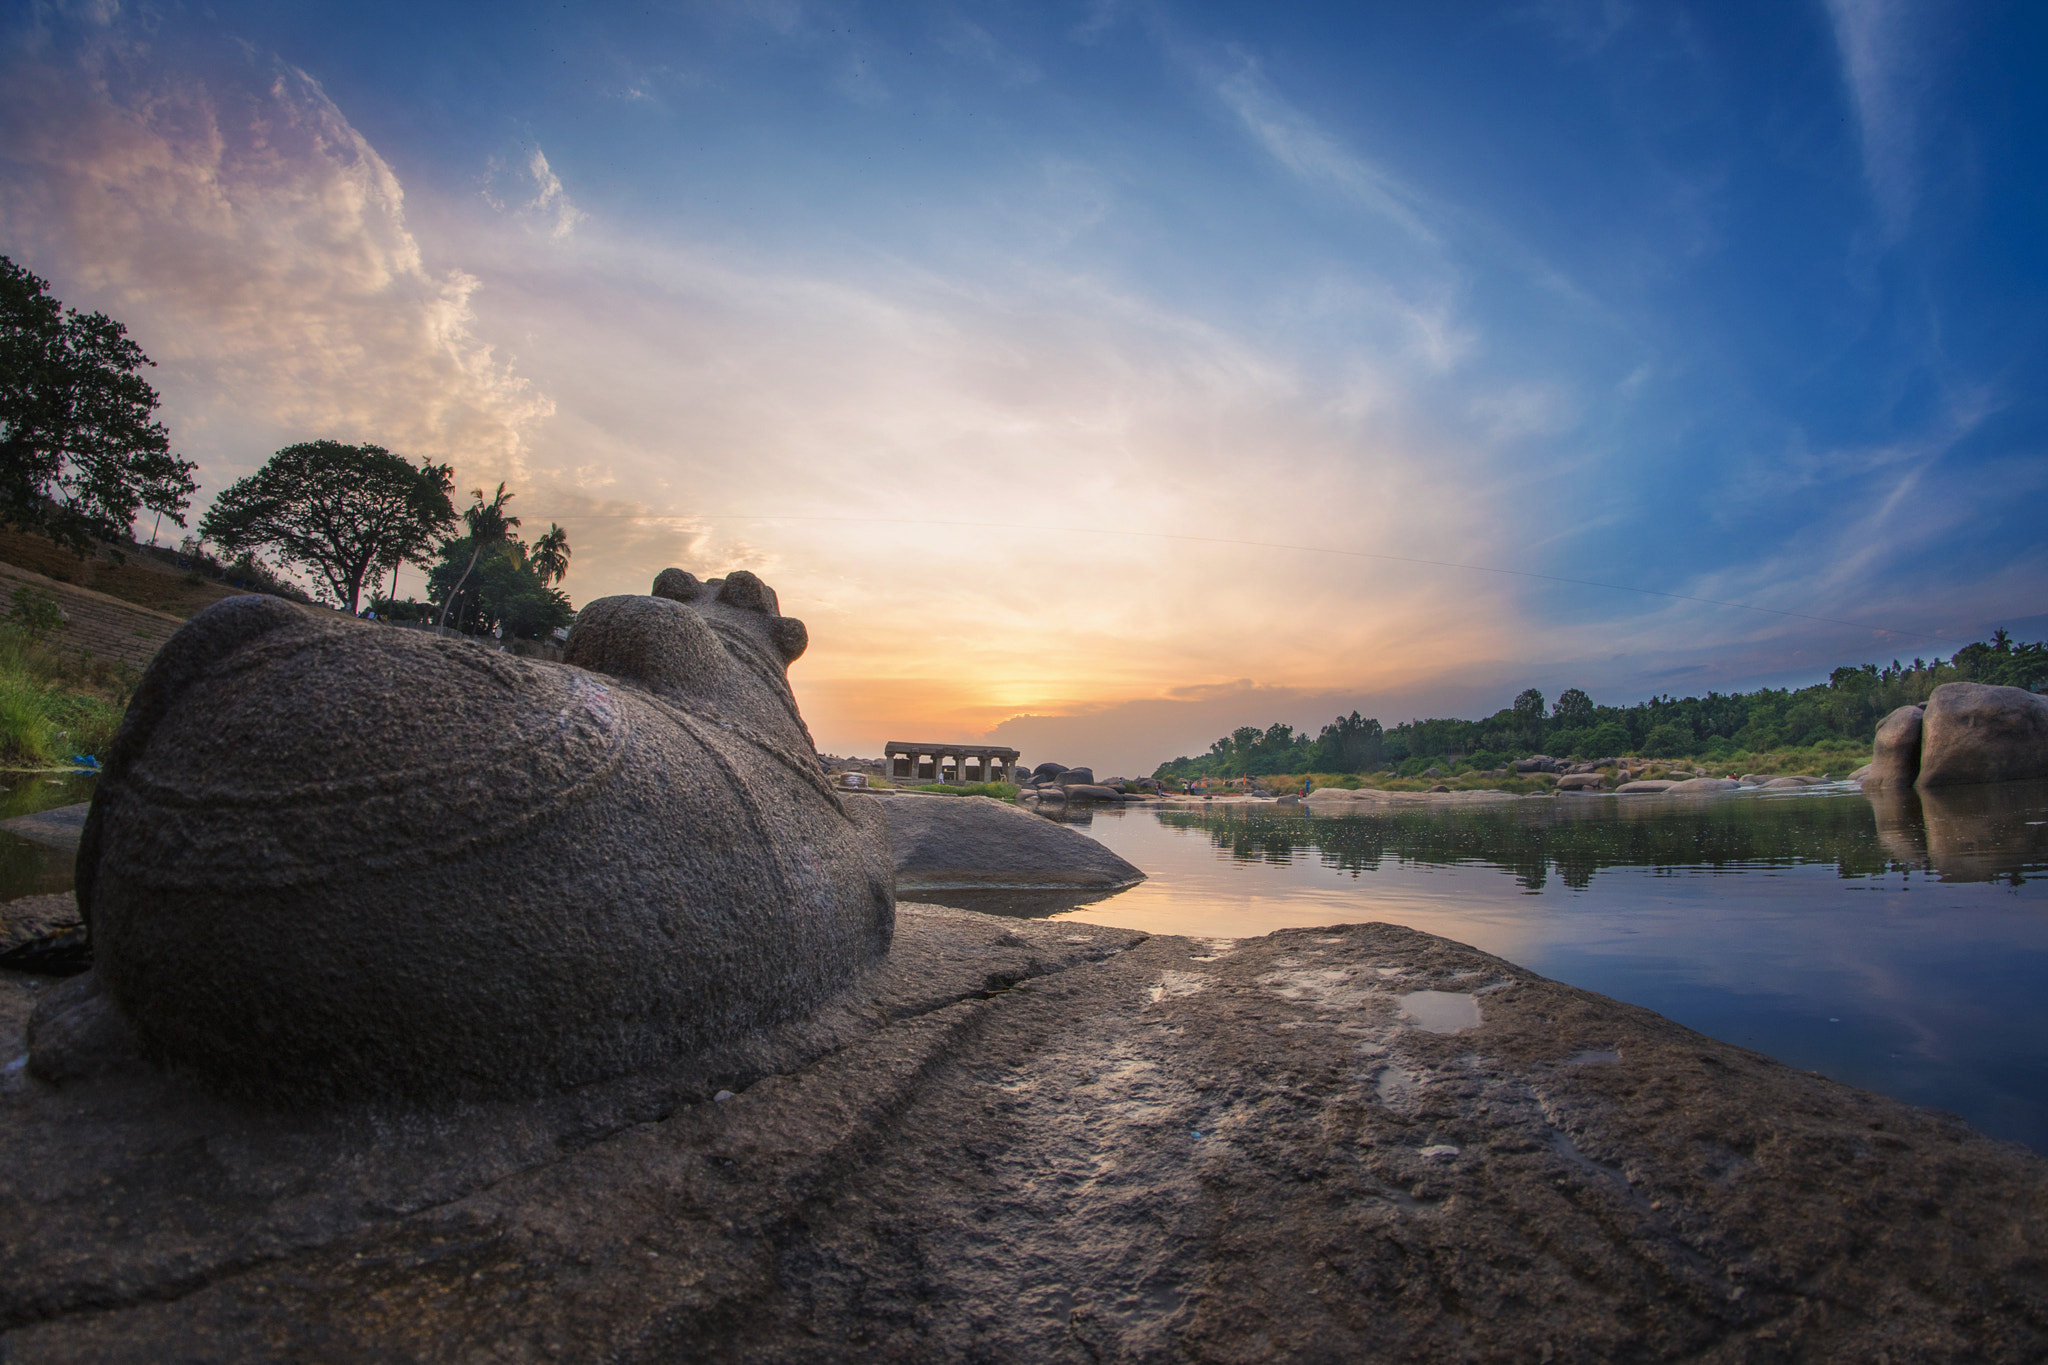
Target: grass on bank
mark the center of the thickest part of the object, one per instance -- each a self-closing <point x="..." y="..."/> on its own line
<point x="1002" y="791"/>
<point x="1831" y="758"/>
<point x="55" y="704"/>
<point x="1834" y="757"/>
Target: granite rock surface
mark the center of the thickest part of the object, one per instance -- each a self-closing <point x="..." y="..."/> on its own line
<point x="1044" y="1141"/>
<point x="976" y="843"/>
<point x="1974" y="733"/>
<point x="329" y="858"/>
<point x="1895" y="750"/>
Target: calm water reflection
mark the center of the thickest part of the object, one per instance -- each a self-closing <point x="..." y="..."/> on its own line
<point x="1899" y="944"/>
<point x="29" y="869"/>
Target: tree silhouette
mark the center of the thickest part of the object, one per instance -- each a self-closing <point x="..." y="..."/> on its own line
<point x="488" y="526"/>
<point x="551" y="555"/>
<point x="79" y="452"/>
<point x="345" y="512"/>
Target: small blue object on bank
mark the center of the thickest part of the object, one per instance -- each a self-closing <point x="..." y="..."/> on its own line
<point x="85" y="763"/>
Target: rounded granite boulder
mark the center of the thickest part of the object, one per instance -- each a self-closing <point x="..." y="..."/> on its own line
<point x="1895" y="750"/>
<point x="1976" y="733"/>
<point x="330" y="858"/>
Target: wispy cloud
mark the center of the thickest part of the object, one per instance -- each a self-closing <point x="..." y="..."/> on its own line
<point x="1304" y="147"/>
<point x="1875" y="41"/>
<point x="550" y="201"/>
<point x="257" y="246"/>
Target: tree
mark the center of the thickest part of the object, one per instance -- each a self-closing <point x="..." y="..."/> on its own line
<point x="551" y="555"/>
<point x="80" y="453"/>
<point x="1529" y="715"/>
<point x="488" y="526"/>
<point x="1573" y="710"/>
<point x="344" y="512"/>
<point x="495" y="587"/>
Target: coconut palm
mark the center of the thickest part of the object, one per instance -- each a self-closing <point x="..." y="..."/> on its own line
<point x="551" y="555"/>
<point x="488" y="526"/>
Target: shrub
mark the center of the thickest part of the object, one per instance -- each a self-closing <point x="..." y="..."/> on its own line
<point x="35" y="612"/>
<point x="1667" y="741"/>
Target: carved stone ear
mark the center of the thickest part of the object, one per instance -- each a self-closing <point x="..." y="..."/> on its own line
<point x="678" y="586"/>
<point x="789" y="637"/>
<point x="742" y="589"/>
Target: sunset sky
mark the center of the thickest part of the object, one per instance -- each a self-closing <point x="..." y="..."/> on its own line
<point x="1097" y="377"/>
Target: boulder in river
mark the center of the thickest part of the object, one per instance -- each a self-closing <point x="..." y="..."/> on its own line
<point x="976" y="843"/>
<point x="1077" y="777"/>
<point x="1975" y="733"/>
<point x="1091" y="791"/>
<point x="1582" y="782"/>
<point x="1644" y="787"/>
<point x="1895" y="752"/>
<point x="1693" y="786"/>
<point x="330" y="859"/>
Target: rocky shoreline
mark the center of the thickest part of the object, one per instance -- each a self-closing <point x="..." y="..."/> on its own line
<point x="1042" y="1141"/>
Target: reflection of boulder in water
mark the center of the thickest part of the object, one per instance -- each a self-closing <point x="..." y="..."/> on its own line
<point x="1901" y="828"/>
<point x="1967" y="834"/>
<point x="330" y="858"/>
<point x="1984" y="833"/>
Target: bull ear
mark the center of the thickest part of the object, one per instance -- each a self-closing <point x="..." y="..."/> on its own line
<point x="744" y="590"/>
<point x="678" y="586"/>
<point x="789" y="637"/>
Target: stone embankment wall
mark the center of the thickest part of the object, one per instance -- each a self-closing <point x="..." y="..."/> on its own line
<point x="103" y="626"/>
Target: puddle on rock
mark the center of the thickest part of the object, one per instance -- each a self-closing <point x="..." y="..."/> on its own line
<point x="1440" y="1011"/>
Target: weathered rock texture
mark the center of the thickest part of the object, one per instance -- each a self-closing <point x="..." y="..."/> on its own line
<point x="1974" y="733"/>
<point x="333" y="859"/>
<point x="1356" y="1144"/>
<point x="976" y="843"/>
<point x="1895" y="751"/>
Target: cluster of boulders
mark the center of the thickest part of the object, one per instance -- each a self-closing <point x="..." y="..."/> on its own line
<point x="1967" y="733"/>
<point x="1057" y="782"/>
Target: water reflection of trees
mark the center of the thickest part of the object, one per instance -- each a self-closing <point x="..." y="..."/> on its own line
<point x="1970" y="834"/>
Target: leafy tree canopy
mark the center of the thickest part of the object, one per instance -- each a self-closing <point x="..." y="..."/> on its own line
<point x="342" y="512"/>
<point x="80" y="451"/>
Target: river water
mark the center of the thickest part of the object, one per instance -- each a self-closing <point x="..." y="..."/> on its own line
<point x="1898" y="946"/>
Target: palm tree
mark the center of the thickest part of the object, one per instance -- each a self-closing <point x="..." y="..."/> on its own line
<point x="551" y="555"/>
<point x="488" y="525"/>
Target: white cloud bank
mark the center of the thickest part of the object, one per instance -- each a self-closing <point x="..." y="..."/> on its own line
<point x="257" y="246"/>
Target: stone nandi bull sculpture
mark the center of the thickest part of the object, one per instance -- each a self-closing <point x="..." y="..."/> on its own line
<point x="334" y="859"/>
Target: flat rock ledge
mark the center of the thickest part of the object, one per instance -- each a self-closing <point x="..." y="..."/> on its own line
<point x="1036" y="1140"/>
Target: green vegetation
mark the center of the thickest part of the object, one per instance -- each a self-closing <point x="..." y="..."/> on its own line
<point x="54" y="705"/>
<point x="1809" y="729"/>
<point x="491" y="580"/>
<point x="1002" y="791"/>
<point x="80" y="453"/>
<point x="348" y="513"/>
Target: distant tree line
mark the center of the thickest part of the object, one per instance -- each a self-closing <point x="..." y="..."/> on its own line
<point x="1845" y="707"/>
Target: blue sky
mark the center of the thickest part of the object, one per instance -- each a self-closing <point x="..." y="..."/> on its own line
<point x="1740" y="302"/>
